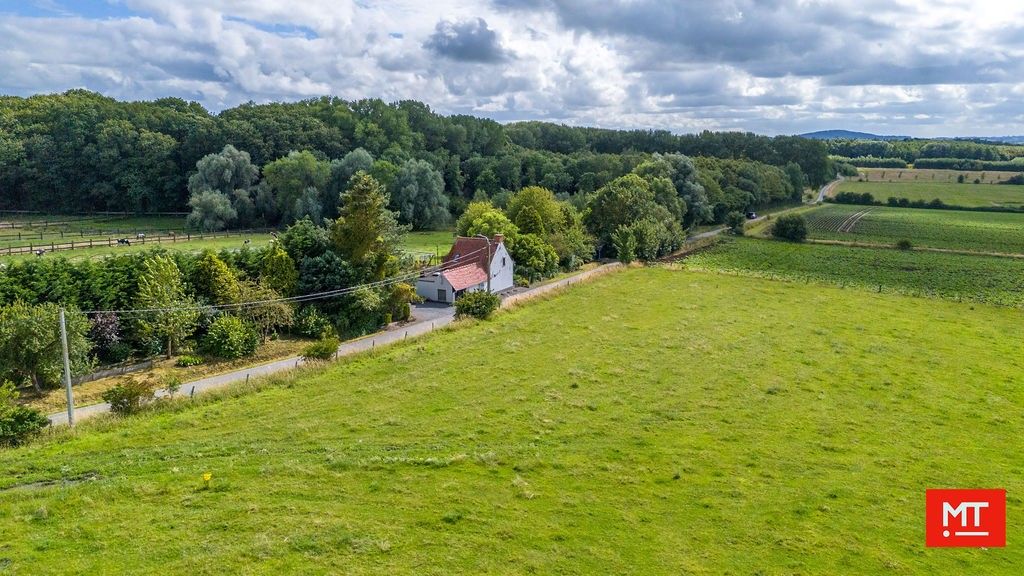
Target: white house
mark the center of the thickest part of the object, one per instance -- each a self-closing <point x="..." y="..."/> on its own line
<point x="465" y="269"/>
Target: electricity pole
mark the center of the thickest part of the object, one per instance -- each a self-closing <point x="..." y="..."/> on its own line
<point x="488" y="240"/>
<point x="67" y="368"/>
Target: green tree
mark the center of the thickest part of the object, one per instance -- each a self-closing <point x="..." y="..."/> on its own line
<point x="304" y="239"/>
<point x="225" y="172"/>
<point x="30" y="346"/>
<point x="736" y="222"/>
<point x="267" y="316"/>
<point x="365" y="229"/>
<point x="170" y="316"/>
<point x="418" y="196"/>
<point x="535" y="259"/>
<point x="307" y="206"/>
<point x="473" y="211"/>
<point x="529" y="221"/>
<point x="291" y="176"/>
<point x="792" y="227"/>
<point x="213" y="281"/>
<point x="625" y="244"/>
<point x="278" y="271"/>
<point x="540" y="201"/>
<point x="211" y="211"/>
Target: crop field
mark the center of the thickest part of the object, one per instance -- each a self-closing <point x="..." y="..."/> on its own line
<point x="966" y="195"/>
<point x="990" y="279"/>
<point x="1000" y="232"/>
<point x="655" y="421"/>
<point x="931" y="175"/>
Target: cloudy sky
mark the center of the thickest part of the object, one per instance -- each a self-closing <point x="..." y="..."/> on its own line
<point x="923" y="68"/>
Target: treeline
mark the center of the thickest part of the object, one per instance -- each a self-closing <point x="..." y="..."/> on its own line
<point x="80" y="152"/>
<point x="1015" y="165"/>
<point x="868" y="199"/>
<point x="871" y="162"/>
<point x="916" y="151"/>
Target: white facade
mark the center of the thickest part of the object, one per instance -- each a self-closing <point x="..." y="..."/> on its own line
<point x="435" y="287"/>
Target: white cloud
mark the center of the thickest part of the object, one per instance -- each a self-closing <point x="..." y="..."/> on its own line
<point x="779" y="67"/>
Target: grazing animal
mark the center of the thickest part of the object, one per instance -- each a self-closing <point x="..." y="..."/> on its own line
<point x="40" y="252"/>
<point x="247" y="242"/>
<point x="140" y="236"/>
<point x="124" y="242"/>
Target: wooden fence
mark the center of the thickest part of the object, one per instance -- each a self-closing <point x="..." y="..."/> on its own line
<point x="112" y="241"/>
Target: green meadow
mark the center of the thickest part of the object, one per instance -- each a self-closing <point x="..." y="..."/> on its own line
<point x="968" y="194"/>
<point x="655" y="421"/>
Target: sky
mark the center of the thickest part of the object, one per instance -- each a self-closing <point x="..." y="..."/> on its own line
<point x="918" y="68"/>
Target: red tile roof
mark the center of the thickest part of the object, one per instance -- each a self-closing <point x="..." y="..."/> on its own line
<point x="467" y="275"/>
<point x="469" y="249"/>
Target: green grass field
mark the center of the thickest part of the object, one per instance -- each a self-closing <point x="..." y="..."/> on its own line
<point x="433" y="242"/>
<point x="966" y="195"/>
<point x="931" y="175"/>
<point x="1001" y="232"/>
<point x="194" y="245"/>
<point x="653" y="422"/>
<point x="990" y="279"/>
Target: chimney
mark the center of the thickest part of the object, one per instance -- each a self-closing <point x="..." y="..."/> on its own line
<point x="499" y="238"/>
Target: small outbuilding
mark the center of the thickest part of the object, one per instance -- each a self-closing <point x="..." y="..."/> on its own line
<point x="469" y="265"/>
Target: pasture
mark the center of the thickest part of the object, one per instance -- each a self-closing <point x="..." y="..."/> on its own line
<point x="967" y="195"/>
<point x="997" y="232"/>
<point x="990" y="279"/>
<point x="655" y="421"/>
<point x="929" y="175"/>
<point x="196" y="243"/>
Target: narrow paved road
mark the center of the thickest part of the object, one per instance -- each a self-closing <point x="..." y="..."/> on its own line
<point x="428" y="317"/>
<point x="827" y="188"/>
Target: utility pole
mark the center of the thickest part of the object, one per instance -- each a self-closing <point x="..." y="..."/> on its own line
<point x="67" y="368"/>
<point x="488" y="240"/>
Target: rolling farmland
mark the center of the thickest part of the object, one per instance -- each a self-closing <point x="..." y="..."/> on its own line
<point x="966" y="195"/>
<point x="588" y="453"/>
<point x="1000" y="232"/>
<point x="988" y="279"/>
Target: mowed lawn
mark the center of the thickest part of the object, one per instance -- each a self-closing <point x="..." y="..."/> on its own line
<point x="428" y="241"/>
<point x="1000" y="232"/>
<point x="655" y="421"/>
<point x="968" y="195"/>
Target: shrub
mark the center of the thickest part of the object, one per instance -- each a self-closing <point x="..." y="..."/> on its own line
<point x="904" y="244"/>
<point x="309" y="322"/>
<point x="17" y="423"/>
<point x="230" y="338"/>
<point x="129" y="396"/>
<point x="736" y="222"/>
<point x="323" y="349"/>
<point x="477" y="305"/>
<point x="792" y="227"/>
<point x="187" y="361"/>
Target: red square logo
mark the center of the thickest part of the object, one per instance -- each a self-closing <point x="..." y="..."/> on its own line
<point x="965" y="518"/>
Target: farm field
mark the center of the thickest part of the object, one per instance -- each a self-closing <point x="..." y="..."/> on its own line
<point x="1001" y="232"/>
<point x="966" y="195"/>
<point x="217" y="242"/>
<point x="931" y="175"/>
<point x="664" y="423"/>
<point x="990" y="279"/>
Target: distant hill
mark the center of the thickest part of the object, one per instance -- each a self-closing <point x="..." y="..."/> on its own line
<point x="849" y="135"/>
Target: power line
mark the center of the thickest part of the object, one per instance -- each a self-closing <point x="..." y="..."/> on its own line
<point x="298" y="299"/>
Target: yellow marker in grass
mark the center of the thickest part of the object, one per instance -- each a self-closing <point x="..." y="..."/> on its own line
<point x="207" y="476"/>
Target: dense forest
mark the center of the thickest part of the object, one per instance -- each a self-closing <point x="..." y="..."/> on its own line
<point x="80" y="152"/>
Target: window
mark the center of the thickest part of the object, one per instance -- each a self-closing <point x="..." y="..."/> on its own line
<point x="502" y="261"/>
